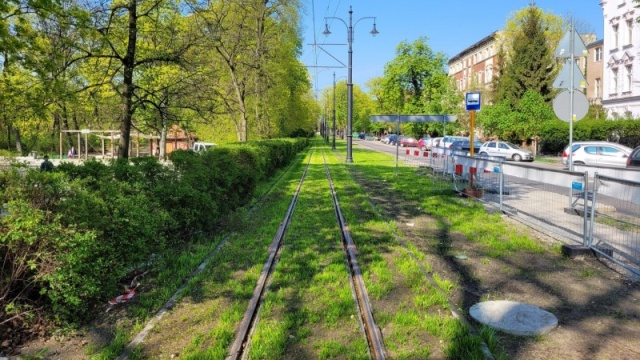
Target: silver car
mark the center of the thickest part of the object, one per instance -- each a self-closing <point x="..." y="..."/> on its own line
<point x="596" y="153"/>
<point x="505" y="149"/>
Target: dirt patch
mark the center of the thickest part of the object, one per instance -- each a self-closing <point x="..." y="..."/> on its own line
<point x="598" y="309"/>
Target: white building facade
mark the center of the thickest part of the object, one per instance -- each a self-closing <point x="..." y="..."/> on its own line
<point x="621" y="48"/>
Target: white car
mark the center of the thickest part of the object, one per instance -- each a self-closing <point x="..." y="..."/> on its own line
<point x="202" y="146"/>
<point x="596" y="153"/>
<point x="506" y="150"/>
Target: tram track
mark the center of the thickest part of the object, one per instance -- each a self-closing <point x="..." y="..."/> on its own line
<point x="324" y="197"/>
<point x="241" y="344"/>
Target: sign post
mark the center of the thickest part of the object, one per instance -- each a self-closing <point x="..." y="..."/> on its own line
<point x="472" y="101"/>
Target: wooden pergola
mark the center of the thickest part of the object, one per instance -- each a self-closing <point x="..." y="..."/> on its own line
<point x="113" y="136"/>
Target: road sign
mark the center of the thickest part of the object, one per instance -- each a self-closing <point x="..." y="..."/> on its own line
<point x="563" y="81"/>
<point x="562" y="105"/>
<point x="564" y="46"/>
<point x="473" y="101"/>
<point x="414" y="118"/>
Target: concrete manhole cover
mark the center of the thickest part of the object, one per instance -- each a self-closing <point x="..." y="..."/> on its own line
<point x="514" y="317"/>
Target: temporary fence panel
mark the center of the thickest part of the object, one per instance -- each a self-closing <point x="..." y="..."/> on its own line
<point x="614" y="230"/>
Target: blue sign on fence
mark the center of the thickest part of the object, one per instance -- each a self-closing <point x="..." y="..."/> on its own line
<point x="577" y="185"/>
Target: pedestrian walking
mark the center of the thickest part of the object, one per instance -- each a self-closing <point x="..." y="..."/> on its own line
<point x="46" y="165"/>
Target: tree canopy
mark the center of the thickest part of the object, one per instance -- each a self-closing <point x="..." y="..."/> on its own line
<point x="221" y="67"/>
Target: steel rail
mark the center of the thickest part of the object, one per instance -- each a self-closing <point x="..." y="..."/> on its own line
<point x="249" y="319"/>
<point x="372" y="332"/>
<point x="142" y="335"/>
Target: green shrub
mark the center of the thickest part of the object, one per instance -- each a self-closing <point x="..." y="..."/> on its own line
<point x="73" y="234"/>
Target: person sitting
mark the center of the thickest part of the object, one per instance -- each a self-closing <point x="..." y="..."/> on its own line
<point x="46" y="165"/>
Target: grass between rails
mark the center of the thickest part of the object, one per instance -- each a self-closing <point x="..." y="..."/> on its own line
<point x="309" y="311"/>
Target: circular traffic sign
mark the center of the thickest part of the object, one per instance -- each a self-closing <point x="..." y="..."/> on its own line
<point x="562" y="105"/>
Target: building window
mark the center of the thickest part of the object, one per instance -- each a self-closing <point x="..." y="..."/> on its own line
<point x="598" y="54"/>
<point x="629" y="31"/>
<point x="627" y="78"/>
<point x="614" y="81"/>
<point x="615" y="36"/>
<point x="598" y="89"/>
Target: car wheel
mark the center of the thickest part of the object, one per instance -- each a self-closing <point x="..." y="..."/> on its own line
<point x="484" y="154"/>
<point x="517" y="157"/>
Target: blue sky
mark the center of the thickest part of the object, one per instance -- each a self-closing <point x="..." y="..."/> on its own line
<point x="451" y="26"/>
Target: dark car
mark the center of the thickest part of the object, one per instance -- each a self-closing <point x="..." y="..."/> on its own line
<point x="392" y="139"/>
<point x="634" y="158"/>
<point x="408" y="141"/>
<point x="464" y="146"/>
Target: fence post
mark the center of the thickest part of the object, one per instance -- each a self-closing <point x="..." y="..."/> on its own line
<point x="593" y="207"/>
<point x="501" y="181"/>
<point x="585" y="199"/>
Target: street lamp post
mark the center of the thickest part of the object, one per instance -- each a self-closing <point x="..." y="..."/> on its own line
<point x="350" y="27"/>
<point x="333" y="145"/>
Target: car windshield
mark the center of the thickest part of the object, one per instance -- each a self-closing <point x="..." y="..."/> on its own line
<point x="512" y="145"/>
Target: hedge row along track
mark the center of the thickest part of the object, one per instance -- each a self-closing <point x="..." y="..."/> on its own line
<point x="241" y="344"/>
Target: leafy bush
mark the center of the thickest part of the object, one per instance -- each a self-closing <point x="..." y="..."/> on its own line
<point x="71" y="235"/>
<point x="554" y="134"/>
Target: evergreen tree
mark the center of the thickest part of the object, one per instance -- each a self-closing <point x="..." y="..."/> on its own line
<point x="530" y="65"/>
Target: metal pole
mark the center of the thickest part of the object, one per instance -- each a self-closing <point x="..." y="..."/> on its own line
<point x="397" y="141"/>
<point x="572" y="64"/>
<point x="350" y="89"/>
<point x="333" y="145"/>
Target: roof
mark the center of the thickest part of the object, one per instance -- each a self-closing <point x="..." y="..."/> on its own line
<point x="473" y="47"/>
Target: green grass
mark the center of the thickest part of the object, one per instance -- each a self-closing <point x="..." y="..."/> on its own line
<point x="309" y="294"/>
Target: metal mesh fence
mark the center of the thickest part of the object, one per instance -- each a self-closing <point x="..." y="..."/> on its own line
<point x="614" y="230"/>
<point x="557" y="202"/>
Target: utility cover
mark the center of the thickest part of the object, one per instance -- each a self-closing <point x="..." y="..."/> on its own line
<point x="514" y="317"/>
<point x="562" y="105"/>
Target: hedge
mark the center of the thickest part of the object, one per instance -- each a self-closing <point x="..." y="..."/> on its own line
<point x="554" y="134"/>
<point x="69" y="236"/>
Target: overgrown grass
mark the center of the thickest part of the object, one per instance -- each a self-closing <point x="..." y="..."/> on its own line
<point x="310" y="296"/>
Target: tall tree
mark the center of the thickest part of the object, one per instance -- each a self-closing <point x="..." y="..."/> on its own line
<point x="416" y="81"/>
<point x="121" y="47"/>
<point x="529" y="64"/>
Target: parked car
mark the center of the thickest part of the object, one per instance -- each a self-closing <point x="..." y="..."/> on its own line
<point x="634" y="158"/>
<point x="384" y="139"/>
<point x="424" y="143"/>
<point x="392" y="139"/>
<point x="505" y="149"/>
<point x="202" y="146"/>
<point x="464" y="145"/>
<point x="448" y="140"/>
<point x="436" y="142"/>
<point x="362" y="136"/>
<point x="596" y="153"/>
<point x="408" y="141"/>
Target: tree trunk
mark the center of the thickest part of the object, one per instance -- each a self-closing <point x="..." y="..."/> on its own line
<point x="16" y="135"/>
<point x="127" y="82"/>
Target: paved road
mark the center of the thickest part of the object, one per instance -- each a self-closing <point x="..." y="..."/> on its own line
<point x="379" y="146"/>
